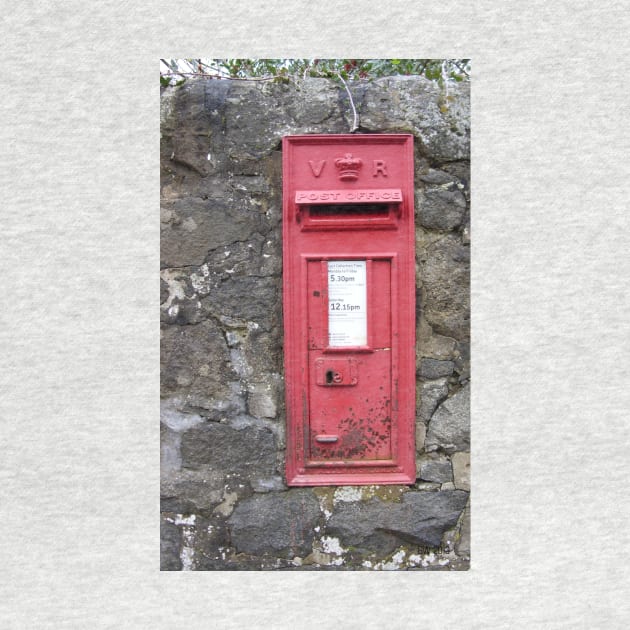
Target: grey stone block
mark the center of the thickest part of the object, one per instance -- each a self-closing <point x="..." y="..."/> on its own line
<point x="434" y="368"/>
<point x="400" y="103"/>
<point x="261" y="400"/>
<point x="192" y="227"/>
<point x="431" y="394"/>
<point x="441" y="208"/>
<point x="194" y="363"/>
<point x="188" y="491"/>
<point x="461" y="470"/>
<point x="276" y="523"/>
<point x="421" y="434"/>
<point x="462" y="547"/>
<point x="446" y="281"/>
<point x="420" y="518"/>
<point x="435" y="468"/>
<point x="170" y="544"/>
<point x="449" y="428"/>
<point x="249" y="451"/>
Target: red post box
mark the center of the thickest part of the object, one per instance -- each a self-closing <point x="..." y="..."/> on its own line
<point x="349" y="309"/>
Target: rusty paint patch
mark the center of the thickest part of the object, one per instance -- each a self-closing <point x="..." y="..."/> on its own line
<point x="359" y="438"/>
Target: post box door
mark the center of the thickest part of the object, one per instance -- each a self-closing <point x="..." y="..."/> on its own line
<point x="349" y="309"/>
<point x="349" y="392"/>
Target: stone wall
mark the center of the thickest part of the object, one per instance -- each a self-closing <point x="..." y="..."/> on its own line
<point x="224" y="500"/>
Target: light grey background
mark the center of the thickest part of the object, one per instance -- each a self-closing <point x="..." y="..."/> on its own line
<point x="79" y="333"/>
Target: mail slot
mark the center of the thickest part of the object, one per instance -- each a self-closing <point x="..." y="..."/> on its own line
<point x="349" y="309"/>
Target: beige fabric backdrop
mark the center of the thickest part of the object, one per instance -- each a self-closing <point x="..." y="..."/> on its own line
<point x="79" y="334"/>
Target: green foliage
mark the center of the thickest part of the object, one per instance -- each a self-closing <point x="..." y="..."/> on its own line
<point x="439" y="70"/>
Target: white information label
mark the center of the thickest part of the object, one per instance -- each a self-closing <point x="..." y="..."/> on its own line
<point x="347" y="303"/>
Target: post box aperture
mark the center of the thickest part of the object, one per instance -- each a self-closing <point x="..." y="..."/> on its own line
<point x="349" y="309"/>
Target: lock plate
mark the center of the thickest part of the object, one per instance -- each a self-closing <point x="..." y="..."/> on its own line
<point x="339" y="371"/>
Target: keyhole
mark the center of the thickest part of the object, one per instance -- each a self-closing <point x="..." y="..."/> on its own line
<point x="333" y="377"/>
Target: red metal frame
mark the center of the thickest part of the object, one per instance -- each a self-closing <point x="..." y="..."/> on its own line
<point x="350" y="409"/>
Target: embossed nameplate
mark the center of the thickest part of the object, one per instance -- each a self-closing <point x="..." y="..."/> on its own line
<point x="348" y="196"/>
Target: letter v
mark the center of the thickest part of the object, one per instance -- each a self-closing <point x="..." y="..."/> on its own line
<point x="317" y="167"/>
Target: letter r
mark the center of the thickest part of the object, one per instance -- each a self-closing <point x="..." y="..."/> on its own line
<point x="379" y="167"/>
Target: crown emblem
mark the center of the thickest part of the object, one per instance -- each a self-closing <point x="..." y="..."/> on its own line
<point x="348" y="167"/>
